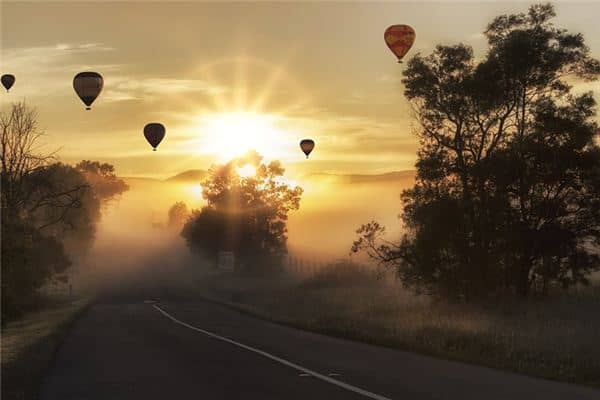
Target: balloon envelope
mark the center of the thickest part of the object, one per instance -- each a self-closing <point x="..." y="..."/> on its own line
<point x="88" y="86"/>
<point x="154" y="134"/>
<point x="399" y="38"/>
<point x="7" y="81"/>
<point x="307" y="145"/>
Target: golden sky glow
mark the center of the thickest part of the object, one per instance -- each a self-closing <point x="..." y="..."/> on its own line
<point x="224" y="78"/>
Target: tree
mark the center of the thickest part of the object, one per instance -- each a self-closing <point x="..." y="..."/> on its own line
<point x="507" y="193"/>
<point x="69" y="218"/>
<point x="29" y="259"/>
<point x="49" y="209"/>
<point x="19" y="157"/>
<point x="178" y="213"/>
<point x="102" y="178"/>
<point x="245" y="214"/>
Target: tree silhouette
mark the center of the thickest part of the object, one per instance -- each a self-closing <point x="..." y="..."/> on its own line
<point x="508" y="190"/>
<point x="49" y="209"/>
<point x="178" y="213"/>
<point x="102" y="178"/>
<point x="246" y="215"/>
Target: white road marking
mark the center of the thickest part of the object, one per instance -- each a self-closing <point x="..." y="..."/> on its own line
<point x="290" y="364"/>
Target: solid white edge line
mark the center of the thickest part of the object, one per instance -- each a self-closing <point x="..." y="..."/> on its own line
<point x="290" y="364"/>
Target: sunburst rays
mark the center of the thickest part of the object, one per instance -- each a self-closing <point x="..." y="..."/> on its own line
<point x="250" y="114"/>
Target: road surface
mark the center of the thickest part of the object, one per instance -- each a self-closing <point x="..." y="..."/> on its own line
<point x="125" y="347"/>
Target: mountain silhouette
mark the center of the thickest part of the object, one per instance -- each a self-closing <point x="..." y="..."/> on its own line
<point x="393" y="176"/>
<point x="192" y="175"/>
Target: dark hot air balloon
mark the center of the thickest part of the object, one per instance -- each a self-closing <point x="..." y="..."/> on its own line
<point x="399" y="38"/>
<point x="154" y="134"/>
<point x="88" y="86"/>
<point x="7" y="81"/>
<point x="307" y="145"/>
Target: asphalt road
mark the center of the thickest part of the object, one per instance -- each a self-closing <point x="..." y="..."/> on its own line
<point x="126" y="348"/>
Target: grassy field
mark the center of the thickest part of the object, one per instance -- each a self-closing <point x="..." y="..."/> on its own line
<point x="29" y="345"/>
<point x="555" y="337"/>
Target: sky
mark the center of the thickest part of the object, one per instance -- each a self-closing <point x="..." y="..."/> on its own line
<point x="227" y="77"/>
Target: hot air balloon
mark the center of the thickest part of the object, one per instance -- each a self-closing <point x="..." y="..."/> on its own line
<point x="307" y="145"/>
<point x="88" y="86"/>
<point x="154" y="134"/>
<point x="7" y="81"/>
<point x="399" y="38"/>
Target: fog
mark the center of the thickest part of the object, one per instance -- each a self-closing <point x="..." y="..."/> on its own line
<point x="133" y="232"/>
<point x="332" y="209"/>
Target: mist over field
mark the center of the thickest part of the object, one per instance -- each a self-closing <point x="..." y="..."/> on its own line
<point x="133" y="230"/>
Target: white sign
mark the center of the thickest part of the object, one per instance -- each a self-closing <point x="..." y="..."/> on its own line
<point x="226" y="260"/>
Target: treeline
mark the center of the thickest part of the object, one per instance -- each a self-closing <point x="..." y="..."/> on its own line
<point x="49" y="209"/>
<point x="507" y="193"/>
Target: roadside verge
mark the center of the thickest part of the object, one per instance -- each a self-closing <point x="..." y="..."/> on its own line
<point x="29" y="345"/>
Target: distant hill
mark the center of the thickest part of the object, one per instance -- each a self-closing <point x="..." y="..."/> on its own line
<point x="368" y="178"/>
<point x="138" y="179"/>
<point x="196" y="175"/>
<point x="192" y="175"/>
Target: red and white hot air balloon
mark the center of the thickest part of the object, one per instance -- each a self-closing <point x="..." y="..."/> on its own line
<point x="399" y="38"/>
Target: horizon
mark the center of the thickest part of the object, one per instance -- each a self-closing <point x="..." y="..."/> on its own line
<point x="308" y="174"/>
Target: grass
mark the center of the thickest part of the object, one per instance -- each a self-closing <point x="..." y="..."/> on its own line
<point x="29" y="344"/>
<point x="554" y="337"/>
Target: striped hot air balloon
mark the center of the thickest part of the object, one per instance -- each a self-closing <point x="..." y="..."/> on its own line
<point x="399" y="38"/>
<point x="88" y="86"/>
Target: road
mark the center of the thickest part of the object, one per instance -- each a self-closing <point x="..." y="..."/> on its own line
<point x="125" y="347"/>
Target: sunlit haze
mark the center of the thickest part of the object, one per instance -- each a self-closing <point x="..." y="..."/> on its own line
<point x="224" y="78"/>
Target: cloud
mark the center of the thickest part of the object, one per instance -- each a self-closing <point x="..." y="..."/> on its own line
<point x="128" y="88"/>
<point x="348" y="135"/>
<point x="41" y="58"/>
<point x="47" y="67"/>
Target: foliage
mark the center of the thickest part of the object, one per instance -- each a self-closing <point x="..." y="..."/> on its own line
<point x="341" y="274"/>
<point x="246" y="215"/>
<point x="71" y="210"/>
<point x="178" y="214"/>
<point x="49" y="209"/>
<point x="102" y="178"/>
<point x="28" y="260"/>
<point x="508" y="173"/>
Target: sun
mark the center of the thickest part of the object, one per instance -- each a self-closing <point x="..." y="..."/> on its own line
<point x="256" y="105"/>
<point x="195" y="190"/>
<point x="246" y="171"/>
<point x="233" y="134"/>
